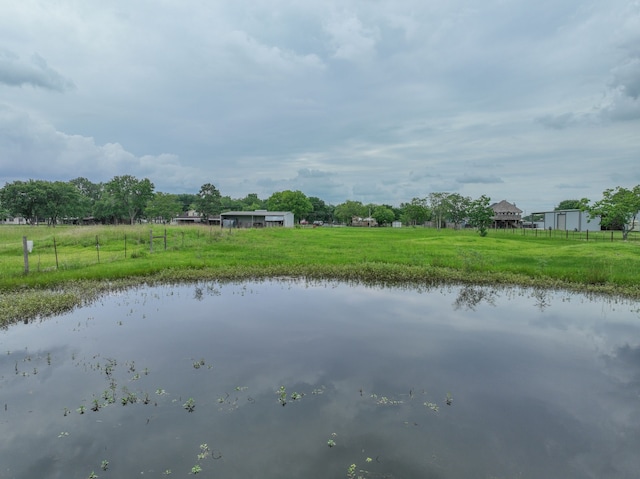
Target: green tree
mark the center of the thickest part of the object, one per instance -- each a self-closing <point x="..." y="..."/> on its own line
<point x="164" y="206"/>
<point x="105" y="208"/>
<point x="344" y="212"/>
<point x="208" y="202"/>
<point x="63" y="199"/>
<point x="294" y="201"/>
<point x="187" y="200"/>
<point x="457" y="208"/>
<point x="251" y="202"/>
<point x="230" y="204"/>
<point x="129" y="196"/>
<point x="383" y="215"/>
<point x="618" y="208"/>
<point x="438" y="202"/>
<point x="321" y="210"/>
<point x="480" y="214"/>
<point x="416" y="212"/>
<point x="27" y="199"/>
<point x="90" y="194"/>
<point x="570" y="205"/>
<point x="4" y="212"/>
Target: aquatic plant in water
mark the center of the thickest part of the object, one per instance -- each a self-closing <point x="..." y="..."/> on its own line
<point x="282" y="395"/>
<point x="432" y="406"/>
<point x="190" y="405"/>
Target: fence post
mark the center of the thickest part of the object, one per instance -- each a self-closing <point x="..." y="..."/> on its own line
<point x="55" y="250"/>
<point x="150" y="241"/>
<point x="26" y="255"/>
<point x="125" y="245"/>
<point x="98" y="248"/>
<point x="612" y="236"/>
<point x="587" y="235"/>
<point x="165" y="239"/>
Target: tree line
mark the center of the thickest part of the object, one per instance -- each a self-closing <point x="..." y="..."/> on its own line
<point x="127" y="199"/>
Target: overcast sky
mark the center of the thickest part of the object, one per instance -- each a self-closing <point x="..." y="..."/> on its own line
<point x="373" y="100"/>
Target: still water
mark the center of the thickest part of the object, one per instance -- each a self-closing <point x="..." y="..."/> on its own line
<point x="294" y="380"/>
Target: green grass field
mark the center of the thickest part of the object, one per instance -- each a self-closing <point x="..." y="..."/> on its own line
<point x="66" y="259"/>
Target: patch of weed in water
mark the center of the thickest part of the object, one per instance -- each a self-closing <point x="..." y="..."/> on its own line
<point x="282" y="395"/>
<point x="434" y="407"/>
<point x="190" y="405"/>
<point x="198" y="364"/>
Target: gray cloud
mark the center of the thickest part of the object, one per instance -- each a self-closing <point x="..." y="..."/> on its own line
<point x="558" y="122"/>
<point x="36" y="72"/>
<point x="627" y="78"/>
<point x="479" y="179"/>
<point x="375" y="101"/>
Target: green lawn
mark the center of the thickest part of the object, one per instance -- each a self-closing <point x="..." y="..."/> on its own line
<point x="383" y="255"/>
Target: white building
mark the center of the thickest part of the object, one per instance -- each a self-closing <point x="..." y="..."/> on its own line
<point x="256" y="219"/>
<point x="569" y="220"/>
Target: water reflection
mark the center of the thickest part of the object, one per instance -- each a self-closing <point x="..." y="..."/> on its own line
<point x="439" y="382"/>
<point x="470" y="297"/>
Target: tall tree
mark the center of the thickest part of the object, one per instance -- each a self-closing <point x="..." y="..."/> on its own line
<point x="416" y="212"/>
<point x="62" y="200"/>
<point x="251" y="202"/>
<point x="344" y="212"/>
<point x="90" y="194"/>
<point x="4" y="212"/>
<point x="570" y="205"/>
<point x="232" y="204"/>
<point x="163" y="206"/>
<point x="383" y="215"/>
<point x="130" y="195"/>
<point x="480" y="214"/>
<point x="208" y="202"/>
<point x="187" y="200"/>
<point x="321" y="210"/>
<point x="618" y="208"/>
<point x="457" y="208"/>
<point x="25" y="198"/>
<point x="439" y="206"/>
<point x="294" y="201"/>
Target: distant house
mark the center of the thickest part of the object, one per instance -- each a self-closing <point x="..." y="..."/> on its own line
<point x="193" y="217"/>
<point x="17" y="220"/>
<point x="506" y="215"/>
<point x="367" y="222"/>
<point x="188" y="218"/>
<point x="569" y="220"/>
<point x="256" y="219"/>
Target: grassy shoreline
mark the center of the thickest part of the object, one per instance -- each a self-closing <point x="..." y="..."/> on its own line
<point x="68" y="270"/>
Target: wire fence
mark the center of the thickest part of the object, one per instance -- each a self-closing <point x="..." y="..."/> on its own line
<point x="610" y="236"/>
<point x="58" y="252"/>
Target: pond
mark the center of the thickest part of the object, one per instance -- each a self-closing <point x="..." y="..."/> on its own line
<point x="286" y="379"/>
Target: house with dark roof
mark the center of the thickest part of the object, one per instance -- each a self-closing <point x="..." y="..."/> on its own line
<point x="506" y="215"/>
